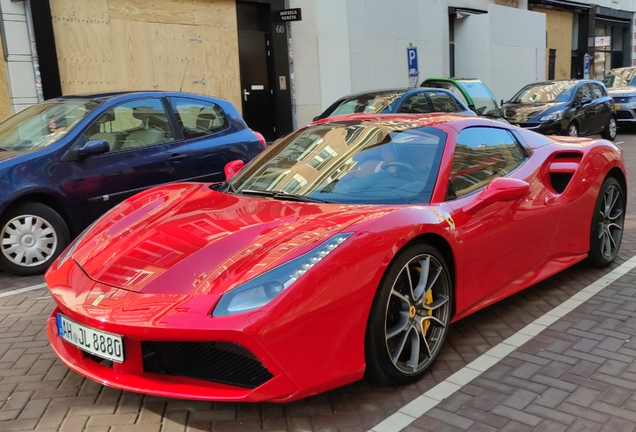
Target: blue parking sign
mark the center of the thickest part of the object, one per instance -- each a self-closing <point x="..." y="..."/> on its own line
<point x="414" y="71"/>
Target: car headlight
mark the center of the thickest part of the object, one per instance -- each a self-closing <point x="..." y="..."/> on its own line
<point x="262" y="289"/>
<point x="555" y="116"/>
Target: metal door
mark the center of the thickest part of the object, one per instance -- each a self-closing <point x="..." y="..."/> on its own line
<point x="256" y="92"/>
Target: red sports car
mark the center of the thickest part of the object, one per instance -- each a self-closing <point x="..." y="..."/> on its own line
<point x="347" y="248"/>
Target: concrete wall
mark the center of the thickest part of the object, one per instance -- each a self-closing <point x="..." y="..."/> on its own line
<point x="349" y="46"/>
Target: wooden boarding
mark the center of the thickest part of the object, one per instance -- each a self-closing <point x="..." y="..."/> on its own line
<point x="105" y="45"/>
<point x="5" y="101"/>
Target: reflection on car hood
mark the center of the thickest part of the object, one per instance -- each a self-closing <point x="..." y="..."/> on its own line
<point x="522" y="113"/>
<point x="622" y="91"/>
<point x="188" y="239"/>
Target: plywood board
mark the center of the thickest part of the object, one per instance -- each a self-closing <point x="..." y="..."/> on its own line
<point x="5" y="101"/>
<point x="87" y="9"/>
<point x="84" y="49"/>
<point x="140" y="10"/>
<point x="220" y="13"/>
<point x="132" y="57"/>
<point x="222" y="63"/>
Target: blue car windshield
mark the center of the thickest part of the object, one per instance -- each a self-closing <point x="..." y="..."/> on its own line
<point x="349" y="162"/>
<point x="43" y="124"/>
<point x="558" y="91"/>
<point x="368" y="103"/>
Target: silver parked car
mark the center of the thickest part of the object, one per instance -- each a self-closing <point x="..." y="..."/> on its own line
<point x="621" y="86"/>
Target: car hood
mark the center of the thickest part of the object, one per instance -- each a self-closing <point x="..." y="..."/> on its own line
<point x="622" y="91"/>
<point x="522" y="113"/>
<point x="188" y="239"/>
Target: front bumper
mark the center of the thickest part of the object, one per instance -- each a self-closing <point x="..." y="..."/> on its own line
<point x="133" y="374"/>
<point x="626" y="112"/>
<point x="545" y="128"/>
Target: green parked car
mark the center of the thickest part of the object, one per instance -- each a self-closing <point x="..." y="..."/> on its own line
<point x="472" y="92"/>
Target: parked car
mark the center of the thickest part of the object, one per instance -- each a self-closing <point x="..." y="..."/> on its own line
<point x="418" y="101"/>
<point x="621" y="86"/>
<point x="474" y="93"/>
<point x="64" y="162"/>
<point x="564" y="107"/>
<point x="364" y="234"/>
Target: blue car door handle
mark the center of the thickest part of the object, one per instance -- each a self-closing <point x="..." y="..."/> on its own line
<point x="176" y="157"/>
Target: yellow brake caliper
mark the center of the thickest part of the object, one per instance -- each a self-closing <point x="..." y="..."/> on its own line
<point x="427" y="301"/>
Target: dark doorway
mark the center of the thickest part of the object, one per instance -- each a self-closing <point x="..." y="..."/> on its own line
<point x="257" y="67"/>
<point x="552" y="64"/>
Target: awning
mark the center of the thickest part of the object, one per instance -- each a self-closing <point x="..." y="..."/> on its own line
<point x="564" y="4"/>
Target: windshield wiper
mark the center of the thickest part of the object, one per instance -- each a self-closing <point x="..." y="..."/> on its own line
<point x="283" y="196"/>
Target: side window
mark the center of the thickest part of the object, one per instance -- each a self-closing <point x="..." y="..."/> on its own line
<point x="481" y="155"/>
<point x="442" y="102"/>
<point x="583" y="92"/>
<point x="597" y="91"/>
<point x="139" y="123"/>
<point x="416" y="103"/>
<point x="198" y="118"/>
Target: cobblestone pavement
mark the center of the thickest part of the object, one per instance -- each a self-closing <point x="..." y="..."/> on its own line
<point x="577" y="375"/>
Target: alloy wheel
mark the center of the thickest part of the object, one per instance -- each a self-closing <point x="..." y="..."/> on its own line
<point x="417" y="314"/>
<point x="612" y="128"/>
<point x="573" y="130"/>
<point x="28" y="240"/>
<point x="611" y="222"/>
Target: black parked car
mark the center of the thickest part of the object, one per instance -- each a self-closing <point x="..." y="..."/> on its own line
<point x="66" y="161"/>
<point x="413" y="101"/>
<point x="567" y="107"/>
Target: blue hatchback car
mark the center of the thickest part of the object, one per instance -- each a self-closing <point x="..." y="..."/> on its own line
<point x="66" y="161"/>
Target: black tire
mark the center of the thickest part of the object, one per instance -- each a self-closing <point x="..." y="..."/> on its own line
<point x="609" y="133"/>
<point x="389" y="312"/>
<point x="43" y="246"/>
<point x="606" y="231"/>
<point x="572" y="130"/>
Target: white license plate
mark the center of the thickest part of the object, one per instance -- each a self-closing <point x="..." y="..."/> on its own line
<point x="105" y="345"/>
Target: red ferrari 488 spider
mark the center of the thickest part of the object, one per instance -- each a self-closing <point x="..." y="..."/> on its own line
<point x="348" y="247"/>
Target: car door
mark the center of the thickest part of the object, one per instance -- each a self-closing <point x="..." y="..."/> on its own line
<point x="603" y="106"/>
<point x="211" y="138"/>
<point x="584" y="113"/>
<point x="507" y="239"/>
<point x="142" y="153"/>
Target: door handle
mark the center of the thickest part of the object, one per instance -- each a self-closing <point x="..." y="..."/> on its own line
<point x="245" y="95"/>
<point x="176" y="157"/>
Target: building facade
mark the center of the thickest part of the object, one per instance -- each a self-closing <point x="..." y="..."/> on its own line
<point x="282" y="72"/>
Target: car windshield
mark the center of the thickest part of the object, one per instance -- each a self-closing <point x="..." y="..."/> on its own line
<point x="368" y="103"/>
<point x="619" y="78"/>
<point x="560" y="91"/>
<point x="349" y="162"/>
<point x="483" y="99"/>
<point x="43" y="124"/>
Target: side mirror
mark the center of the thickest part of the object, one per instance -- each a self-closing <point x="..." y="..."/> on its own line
<point x="93" y="148"/>
<point x="233" y="168"/>
<point x="499" y="190"/>
<point x="502" y="103"/>
<point x="586" y="101"/>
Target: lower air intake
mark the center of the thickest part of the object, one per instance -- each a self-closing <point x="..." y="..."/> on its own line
<point x="220" y="362"/>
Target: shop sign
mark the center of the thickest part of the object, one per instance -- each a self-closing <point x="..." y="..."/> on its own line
<point x="288" y="15"/>
<point x="602" y="41"/>
<point x="508" y="3"/>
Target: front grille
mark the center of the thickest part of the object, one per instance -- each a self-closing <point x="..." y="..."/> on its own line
<point x="622" y="99"/>
<point x="624" y="115"/>
<point x="220" y="362"/>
